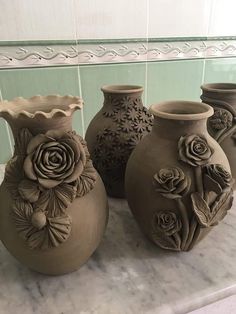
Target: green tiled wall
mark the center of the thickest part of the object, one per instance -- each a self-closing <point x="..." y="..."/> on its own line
<point x="161" y="81"/>
<point x="41" y="81"/>
<point x="174" y="80"/>
<point x="220" y="70"/>
<point x="95" y="76"/>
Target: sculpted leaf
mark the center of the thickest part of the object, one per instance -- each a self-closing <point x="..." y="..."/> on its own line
<point x="87" y="180"/>
<point x="217" y="178"/>
<point x="22" y="140"/>
<point x="39" y="230"/>
<point x="201" y="209"/>
<point x="22" y="212"/>
<point x="13" y="175"/>
<point x="164" y="241"/>
<point x="29" y="190"/>
<point x="220" y="207"/>
<point x="209" y="216"/>
<point x="56" y="200"/>
<point x="211" y="185"/>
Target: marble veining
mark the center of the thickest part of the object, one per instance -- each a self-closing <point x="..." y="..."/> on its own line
<point x="127" y="275"/>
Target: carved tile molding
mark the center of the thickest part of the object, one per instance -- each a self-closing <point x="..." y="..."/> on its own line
<point x="66" y="53"/>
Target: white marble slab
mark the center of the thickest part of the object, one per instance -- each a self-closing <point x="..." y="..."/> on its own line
<point x="127" y="275"/>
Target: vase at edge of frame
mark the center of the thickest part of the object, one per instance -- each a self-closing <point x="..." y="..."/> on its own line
<point x="222" y="125"/>
<point x="178" y="180"/>
<point x="53" y="210"/>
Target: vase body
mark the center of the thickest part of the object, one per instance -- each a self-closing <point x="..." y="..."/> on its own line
<point x="221" y="126"/>
<point x="178" y="182"/>
<point x="114" y="132"/>
<point x="53" y="210"/>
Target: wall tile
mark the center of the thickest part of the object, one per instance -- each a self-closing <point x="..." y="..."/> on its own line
<point x="93" y="77"/>
<point x="171" y="18"/>
<point x="35" y="20"/>
<point x="5" y="146"/>
<point x="173" y="80"/>
<point x="220" y="70"/>
<point x="42" y="81"/>
<point x="222" y="21"/>
<point x="109" y="19"/>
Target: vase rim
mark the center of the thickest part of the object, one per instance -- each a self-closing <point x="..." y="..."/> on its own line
<point x="38" y="106"/>
<point x="121" y="89"/>
<point x="219" y="87"/>
<point x="182" y="110"/>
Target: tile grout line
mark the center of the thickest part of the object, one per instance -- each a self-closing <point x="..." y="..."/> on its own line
<point x="146" y="65"/>
<point x="78" y="68"/>
<point x="208" y="30"/>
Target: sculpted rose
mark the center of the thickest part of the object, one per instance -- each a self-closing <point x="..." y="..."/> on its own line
<point x="54" y="157"/>
<point x="222" y="119"/>
<point x="219" y="174"/>
<point x="194" y="150"/>
<point x="168" y="222"/>
<point x="171" y="182"/>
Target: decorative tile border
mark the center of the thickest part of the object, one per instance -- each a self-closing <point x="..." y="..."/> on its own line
<point x="15" y="55"/>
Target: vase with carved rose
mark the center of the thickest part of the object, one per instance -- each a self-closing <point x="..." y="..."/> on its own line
<point x="115" y="131"/>
<point x="53" y="210"/>
<point x="178" y="180"/>
<point x="222" y="125"/>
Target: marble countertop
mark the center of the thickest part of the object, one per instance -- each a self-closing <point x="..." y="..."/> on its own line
<point x="127" y="275"/>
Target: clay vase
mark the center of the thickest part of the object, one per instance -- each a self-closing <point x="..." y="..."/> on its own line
<point x="222" y="126"/>
<point x="178" y="181"/>
<point x="115" y="131"/>
<point x="53" y="209"/>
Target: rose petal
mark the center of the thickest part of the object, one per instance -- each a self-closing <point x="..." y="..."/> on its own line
<point x="35" y="142"/>
<point x="76" y="173"/>
<point x="28" y="168"/>
<point x="75" y="147"/>
<point x="48" y="184"/>
<point x="39" y="172"/>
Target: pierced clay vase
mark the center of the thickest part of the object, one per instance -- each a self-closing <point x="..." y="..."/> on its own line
<point x="53" y="210"/>
<point x="178" y="181"/>
<point x="222" y="125"/>
<point x="115" y="131"/>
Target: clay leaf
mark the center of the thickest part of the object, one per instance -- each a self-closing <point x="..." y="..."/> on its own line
<point x="165" y="242"/>
<point x="22" y="141"/>
<point x="22" y="212"/>
<point x="87" y="180"/>
<point x="13" y="175"/>
<point x="210" y="216"/>
<point x="211" y="185"/>
<point x="56" y="232"/>
<point x="220" y="207"/>
<point x="29" y="190"/>
<point x="201" y="209"/>
<point x="56" y="200"/>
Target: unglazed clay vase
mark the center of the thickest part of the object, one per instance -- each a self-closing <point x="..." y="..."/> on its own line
<point x="115" y="131"/>
<point x="178" y="181"/>
<point x="53" y="209"/>
<point x="222" y="126"/>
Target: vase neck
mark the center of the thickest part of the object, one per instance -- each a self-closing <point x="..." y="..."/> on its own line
<point x="131" y="99"/>
<point x="39" y="125"/>
<point x="217" y="93"/>
<point x="174" y="129"/>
